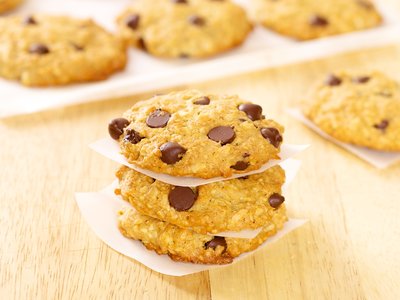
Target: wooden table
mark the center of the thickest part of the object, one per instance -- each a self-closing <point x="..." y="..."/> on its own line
<point x="349" y="249"/>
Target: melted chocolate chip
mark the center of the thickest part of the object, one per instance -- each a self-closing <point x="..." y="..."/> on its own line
<point x="158" y="119"/>
<point x="172" y="152"/>
<point x="244" y="177"/>
<point x="29" y="20"/>
<point x="132" y="136"/>
<point x="184" y="55"/>
<point x="196" y="20"/>
<point x="382" y="125"/>
<point x="40" y="49"/>
<point x="132" y="21"/>
<point x="275" y="200"/>
<point x="179" y="1"/>
<point x="246" y="155"/>
<point x="318" y="21"/>
<point x="182" y="198"/>
<point x="332" y="80"/>
<point x="361" y="79"/>
<point x="240" y="165"/>
<point x="77" y="47"/>
<point x="202" y="101"/>
<point x="222" y="134"/>
<point x="116" y="127"/>
<point x="273" y="135"/>
<point x="142" y="44"/>
<point x="253" y="111"/>
<point x="215" y="242"/>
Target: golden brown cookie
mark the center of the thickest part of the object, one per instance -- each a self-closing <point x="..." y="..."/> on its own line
<point x="184" y="28"/>
<point x="186" y="245"/>
<point x="6" y="5"/>
<point x="190" y="133"/>
<point x="54" y="50"/>
<point x="232" y="205"/>
<point x="362" y="109"/>
<point x="310" y="19"/>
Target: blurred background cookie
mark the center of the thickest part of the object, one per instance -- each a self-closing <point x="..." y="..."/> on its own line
<point x="47" y="50"/>
<point x="310" y="19"/>
<point x="361" y="109"/>
<point x="184" y="28"/>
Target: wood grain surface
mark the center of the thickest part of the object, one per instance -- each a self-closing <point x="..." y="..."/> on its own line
<point x="349" y="249"/>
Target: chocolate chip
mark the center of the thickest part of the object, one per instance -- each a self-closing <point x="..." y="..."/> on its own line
<point x="142" y="44"/>
<point x="77" y="47"/>
<point x="318" y="21"/>
<point x="361" y="79"/>
<point x="132" y="136"/>
<point x="240" y="165"/>
<point x="116" y="127"/>
<point x="171" y="152"/>
<point x="332" y="80"/>
<point x="202" y="101"/>
<point x="182" y="198"/>
<point x="29" y="20"/>
<point x="158" y="119"/>
<point x="39" y="49"/>
<point x="253" y="111"/>
<point x="246" y="155"/>
<point x="273" y="135"/>
<point x="132" y="21"/>
<point x="382" y="125"/>
<point x="275" y="200"/>
<point x="244" y="178"/>
<point x="222" y="134"/>
<point x="196" y="20"/>
<point x="215" y="242"/>
<point x="184" y="55"/>
<point x="179" y="1"/>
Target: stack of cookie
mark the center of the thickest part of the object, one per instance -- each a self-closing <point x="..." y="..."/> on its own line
<point x="191" y="134"/>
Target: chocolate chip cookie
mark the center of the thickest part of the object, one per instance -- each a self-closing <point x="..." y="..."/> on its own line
<point x="233" y="205"/>
<point x="362" y="109"/>
<point x="184" y="28"/>
<point x="190" y="133"/>
<point x="44" y="50"/>
<point x="187" y="246"/>
<point x="6" y="5"/>
<point x="310" y="19"/>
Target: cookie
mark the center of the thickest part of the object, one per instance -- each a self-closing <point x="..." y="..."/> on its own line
<point x="231" y="205"/>
<point x="6" y="5"/>
<point x="310" y="19"/>
<point x="187" y="246"/>
<point x="190" y="133"/>
<point x="184" y="28"/>
<point x="361" y="109"/>
<point x="44" y="50"/>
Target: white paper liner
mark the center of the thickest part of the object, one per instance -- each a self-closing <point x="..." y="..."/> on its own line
<point x="263" y="49"/>
<point x="100" y="212"/>
<point x="378" y="159"/>
<point x="110" y="149"/>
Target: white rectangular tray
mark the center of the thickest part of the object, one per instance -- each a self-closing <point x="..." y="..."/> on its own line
<point x="263" y="49"/>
